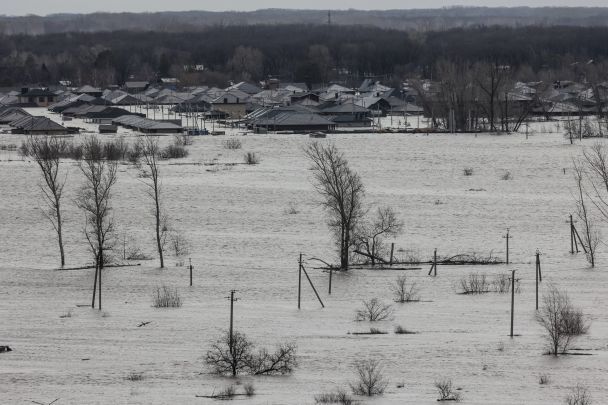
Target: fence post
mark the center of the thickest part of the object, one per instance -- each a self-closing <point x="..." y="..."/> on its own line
<point x="392" y="250"/>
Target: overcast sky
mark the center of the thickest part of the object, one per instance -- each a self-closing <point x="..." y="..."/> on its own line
<point x="43" y="7"/>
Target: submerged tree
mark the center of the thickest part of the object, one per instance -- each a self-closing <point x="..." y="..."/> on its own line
<point x="46" y="152"/>
<point x="151" y="154"/>
<point x="370" y="235"/>
<point x="591" y="236"/>
<point x="561" y="321"/>
<point x="342" y="192"/>
<point x="94" y="200"/>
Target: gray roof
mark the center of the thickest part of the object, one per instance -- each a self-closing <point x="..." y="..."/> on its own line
<point x="37" y="124"/>
<point x="344" y="108"/>
<point x="145" y="123"/>
<point x="290" y="118"/>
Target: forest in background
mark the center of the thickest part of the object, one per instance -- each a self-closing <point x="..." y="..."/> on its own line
<point x="294" y="53"/>
<point x="417" y="19"/>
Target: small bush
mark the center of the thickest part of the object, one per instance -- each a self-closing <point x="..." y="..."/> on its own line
<point x="502" y="284"/>
<point x="376" y="331"/>
<point x="116" y="150"/>
<point x="174" y="152"/>
<point x="249" y="390"/>
<point x="474" y="283"/>
<point x="544" y="379"/>
<point x="374" y="310"/>
<point x="371" y="380"/>
<point x="339" y="396"/>
<point x="468" y="171"/>
<point x="74" y="151"/>
<point x="251" y="158"/>
<point x="164" y="297"/>
<point x="133" y="376"/>
<point x="506" y="176"/>
<point x="445" y="390"/>
<point x="292" y="209"/>
<point x="232" y="144"/>
<point x="404" y="291"/>
<point x="227" y="393"/>
<point x="400" y="330"/>
<point x="579" y="396"/>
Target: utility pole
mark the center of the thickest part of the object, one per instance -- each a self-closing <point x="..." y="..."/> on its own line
<point x="512" y="299"/>
<point x="507" y="237"/>
<point x="231" y="340"/>
<point x="190" y="272"/>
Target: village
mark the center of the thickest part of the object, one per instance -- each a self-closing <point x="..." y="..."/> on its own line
<point x="293" y="206"/>
<point x="272" y="106"/>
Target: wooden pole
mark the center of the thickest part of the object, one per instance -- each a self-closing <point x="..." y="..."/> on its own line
<point x="512" y="299"/>
<point x="507" y="246"/>
<point x="313" y="286"/>
<point x="330" y="275"/>
<point x="299" y="280"/>
<point x="537" y="274"/>
<point x="571" y="235"/>
<point x="434" y="264"/>
<point x="392" y="250"/>
<point x="540" y="273"/>
<point x="190" y="272"/>
<point x="95" y="283"/>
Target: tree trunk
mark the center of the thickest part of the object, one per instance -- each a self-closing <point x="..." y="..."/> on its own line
<point x="59" y="235"/>
<point x="158" y="241"/>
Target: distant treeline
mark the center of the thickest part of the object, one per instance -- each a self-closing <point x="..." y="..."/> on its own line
<point x="301" y="53"/>
<point x="421" y="20"/>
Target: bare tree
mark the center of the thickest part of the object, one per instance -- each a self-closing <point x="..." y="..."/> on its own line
<point x="94" y="200"/>
<point x="342" y="191"/>
<point x="591" y="236"/>
<point x="46" y="152"/>
<point x="230" y="357"/>
<point x="596" y="158"/>
<point x="491" y="78"/>
<point x="151" y="154"/>
<point x="239" y="356"/>
<point x="561" y="321"/>
<point x="370" y="378"/>
<point x="369" y="235"/>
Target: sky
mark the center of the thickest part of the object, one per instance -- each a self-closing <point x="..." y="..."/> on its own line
<point x="44" y="7"/>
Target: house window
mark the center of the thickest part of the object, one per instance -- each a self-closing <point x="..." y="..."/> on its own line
<point x="225" y="101"/>
<point x="237" y="100"/>
<point x="41" y="99"/>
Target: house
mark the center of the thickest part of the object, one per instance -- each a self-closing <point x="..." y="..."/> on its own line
<point x="297" y="119"/>
<point x="347" y="114"/>
<point x="245" y="87"/>
<point x="10" y="114"/>
<point x="37" y="126"/>
<point x="37" y="97"/>
<point x="136" y="87"/>
<point x="233" y="102"/>
<point x="148" y="126"/>
<point x="89" y="90"/>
